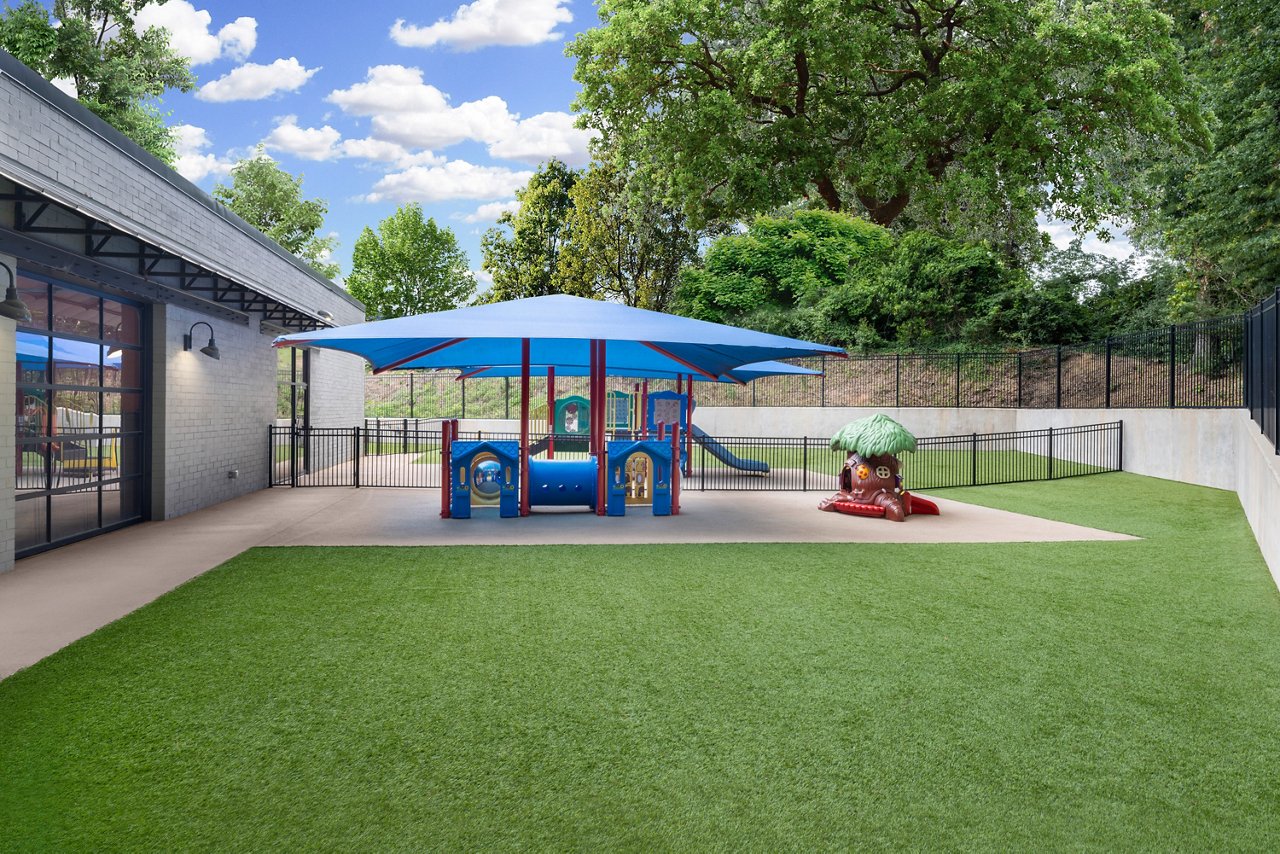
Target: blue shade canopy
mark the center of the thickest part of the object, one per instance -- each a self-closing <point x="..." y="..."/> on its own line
<point x="560" y="329"/>
<point x="740" y="374"/>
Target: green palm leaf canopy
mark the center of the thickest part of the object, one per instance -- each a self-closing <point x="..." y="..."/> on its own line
<point x="873" y="436"/>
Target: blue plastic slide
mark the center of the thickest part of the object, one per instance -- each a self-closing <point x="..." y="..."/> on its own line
<point x="724" y="455"/>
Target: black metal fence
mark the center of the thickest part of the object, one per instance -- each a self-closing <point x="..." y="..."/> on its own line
<point x="1194" y="365"/>
<point x="1262" y="361"/>
<point x="405" y="453"/>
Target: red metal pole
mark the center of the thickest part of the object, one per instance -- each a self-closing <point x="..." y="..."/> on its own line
<point x="551" y="412"/>
<point x="675" y="470"/>
<point x="524" y="427"/>
<point x="601" y="460"/>
<point x="644" y="412"/>
<point x="446" y="469"/>
<point x="688" y="427"/>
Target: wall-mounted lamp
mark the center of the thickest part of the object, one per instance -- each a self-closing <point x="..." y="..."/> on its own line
<point x="13" y="306"/>
<point x="210" y="350"/>
<point x="325" y="316"/>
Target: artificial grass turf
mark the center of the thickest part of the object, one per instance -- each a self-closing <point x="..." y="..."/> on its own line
<point x="1097" y="695"/>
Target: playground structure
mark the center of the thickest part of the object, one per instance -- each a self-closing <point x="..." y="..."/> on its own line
<point x="577" y="336"/>
<point x="639" y="456"/>
<point x="870" y="482"/>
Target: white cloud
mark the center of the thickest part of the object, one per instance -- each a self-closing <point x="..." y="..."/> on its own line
<point x="484" y="23"/>
<point x="189" y="32"/>
<point x="307" y="143"/>
<point x="66" y="85"/>
<point x="543" y="136"/>
<point x="491" y="211"/>
<point x="456" y="179"/>
<point x="192" y="161"/>
<point x="383" y="151"/>
<point x="253" y="82"/>
<point x="410" y="112"/>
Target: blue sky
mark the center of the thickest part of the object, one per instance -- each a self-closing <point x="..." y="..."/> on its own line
<point x="384" y="102"/>
<point x="381" y="102"/>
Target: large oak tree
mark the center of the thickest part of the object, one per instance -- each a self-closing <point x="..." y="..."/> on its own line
<point x="969" y="114"/>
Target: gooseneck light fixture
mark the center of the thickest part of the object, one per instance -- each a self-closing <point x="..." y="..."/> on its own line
<point x="13" y="306"/>
<point x="210" y="350"/>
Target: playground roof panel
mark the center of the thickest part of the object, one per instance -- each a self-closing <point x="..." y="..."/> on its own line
<point x="740" y="374"/>
<point x="559" y="328"/>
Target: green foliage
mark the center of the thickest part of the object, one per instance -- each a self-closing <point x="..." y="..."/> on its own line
<point x="270" y="199"/>
<point x="968" y="116"/>
<point x="523" y="252"/>
<point x="624" y="244"/>
<point x="839" y="279"/>
<point x="780" y="265"/>
<point x="1219" y="214"/>
<point x="117" y="71"/>
<point x="411" y="266"/>
<point x="872" y="436"/>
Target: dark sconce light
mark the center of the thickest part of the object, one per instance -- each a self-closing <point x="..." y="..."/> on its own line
<point x="13" y="306"/>
<point x="210" y="350"/>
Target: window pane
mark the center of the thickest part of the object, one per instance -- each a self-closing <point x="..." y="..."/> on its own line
<point x="33" y="466"/>
<point x="76" y="312"/>
<point x="121" y="324"/>
<point x="121" y="368"/>
<point x="30" y="521"/>
<point x="33" y="358"/>
<point x="75" y="512"/>
<point x="75" y="362"/>
<point x="36" y="295"/>
<point x="75" y="412"/>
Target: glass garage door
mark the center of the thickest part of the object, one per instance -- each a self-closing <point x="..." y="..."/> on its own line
<point x="80" y="415"/>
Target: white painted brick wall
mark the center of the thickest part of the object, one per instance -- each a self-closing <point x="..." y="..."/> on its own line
<point x="8" y="440"/>
<point x="215" y="413"/>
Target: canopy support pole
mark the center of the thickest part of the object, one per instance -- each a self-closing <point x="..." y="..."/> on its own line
<point x="602" y="463"/>
<point x="644" y="411"/>
<point x="524" y="427"/>
<point x="551" y="412"/>
<point x="688" y="428"/>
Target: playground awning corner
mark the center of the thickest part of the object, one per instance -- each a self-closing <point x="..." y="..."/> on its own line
<point x="560" y="330"/>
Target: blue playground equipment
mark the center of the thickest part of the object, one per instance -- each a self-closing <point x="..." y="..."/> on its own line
<point x="562" y="483"/>
<point x="639" y="474"/>
<point x="485" y="474"/>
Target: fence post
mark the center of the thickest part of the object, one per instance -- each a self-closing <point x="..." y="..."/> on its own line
<point x="293" y="455"/>
<point x="411" y="412"/>
<point x="824" y="380"/>
<point x="356" y="444"/>
<point x="1173" y="371"/>
<point x="957" y="380"/>
<point x="1058" y="383"/>
<point x="897" y="379"/>
<point x="506" y="398"/>
<point x="1108" y="395"/>
<point x="1120" y="448"/>
<point x="404" y="441"/>
<point x="464" y="398"/>
<point x="1275" y="377"/>
<point x="1050" y="477"/>
<point x="973" y="461"/>
<point x="804" y="466"/>
<point x="1019" y="379"/>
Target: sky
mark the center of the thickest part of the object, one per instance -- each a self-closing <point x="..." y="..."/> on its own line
<point x="383" y="102"/>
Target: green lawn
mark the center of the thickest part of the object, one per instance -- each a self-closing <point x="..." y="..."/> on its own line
<point x="770" y="697"/>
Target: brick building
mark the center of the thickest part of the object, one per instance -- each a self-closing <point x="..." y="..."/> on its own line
<point x="129" y="272"/>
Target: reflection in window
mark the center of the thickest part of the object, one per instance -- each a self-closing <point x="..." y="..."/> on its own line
<point x="80" y="425"/>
